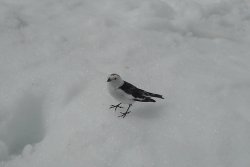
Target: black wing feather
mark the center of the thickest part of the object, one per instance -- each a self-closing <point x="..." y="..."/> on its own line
<point x="138" y="94"/>
<point x="132" y="90"/>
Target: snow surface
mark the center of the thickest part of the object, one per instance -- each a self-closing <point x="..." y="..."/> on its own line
<point x="55" y="58"/>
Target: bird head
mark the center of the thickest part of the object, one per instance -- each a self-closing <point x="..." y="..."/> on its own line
<point x="115" y="80"/>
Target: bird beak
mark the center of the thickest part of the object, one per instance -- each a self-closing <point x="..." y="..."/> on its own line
<point x="109" y="80"/>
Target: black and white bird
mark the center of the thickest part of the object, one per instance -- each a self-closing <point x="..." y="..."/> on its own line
<point x="127" y="93"/>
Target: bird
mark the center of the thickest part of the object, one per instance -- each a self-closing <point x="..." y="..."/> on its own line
<point x="126" y="93"/>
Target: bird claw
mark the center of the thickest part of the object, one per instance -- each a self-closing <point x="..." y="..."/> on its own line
<point x="124" y="114"/>
<point x="115" y="106"/>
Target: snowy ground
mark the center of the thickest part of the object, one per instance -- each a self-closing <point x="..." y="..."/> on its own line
<point x="55" y="58"/>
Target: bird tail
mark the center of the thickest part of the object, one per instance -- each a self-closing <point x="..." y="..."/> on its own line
<point x="147" y="99"/>
<point x="153" y="95"/>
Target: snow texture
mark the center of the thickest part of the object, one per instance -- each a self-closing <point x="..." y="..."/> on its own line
<point x="54" y="62"/>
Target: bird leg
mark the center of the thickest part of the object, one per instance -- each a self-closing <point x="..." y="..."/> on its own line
<point x="116" y="106"/>
<point x="123" y="114"/>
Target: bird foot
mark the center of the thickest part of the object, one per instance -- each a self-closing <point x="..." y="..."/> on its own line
<point x="124" y="114"/>
<point x="115" y="106"/>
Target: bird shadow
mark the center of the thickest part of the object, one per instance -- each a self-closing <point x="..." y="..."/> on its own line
<point x="149" y="111"/>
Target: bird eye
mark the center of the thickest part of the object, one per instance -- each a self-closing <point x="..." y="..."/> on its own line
<point x="115" y="78"/>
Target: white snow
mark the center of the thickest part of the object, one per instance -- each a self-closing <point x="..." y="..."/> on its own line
<point x="55" y="56"/>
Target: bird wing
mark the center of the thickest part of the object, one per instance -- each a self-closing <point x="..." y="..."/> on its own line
<point x="137" y="93"/>
<point x="132" y="90"/>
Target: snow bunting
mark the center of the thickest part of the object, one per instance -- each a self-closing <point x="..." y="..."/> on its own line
<point x="127" y="93"/>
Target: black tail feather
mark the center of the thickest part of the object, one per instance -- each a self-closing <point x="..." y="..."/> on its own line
<point x="153" y="95"/>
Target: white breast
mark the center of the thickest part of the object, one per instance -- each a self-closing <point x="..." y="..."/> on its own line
<point x="120" y="95"/>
